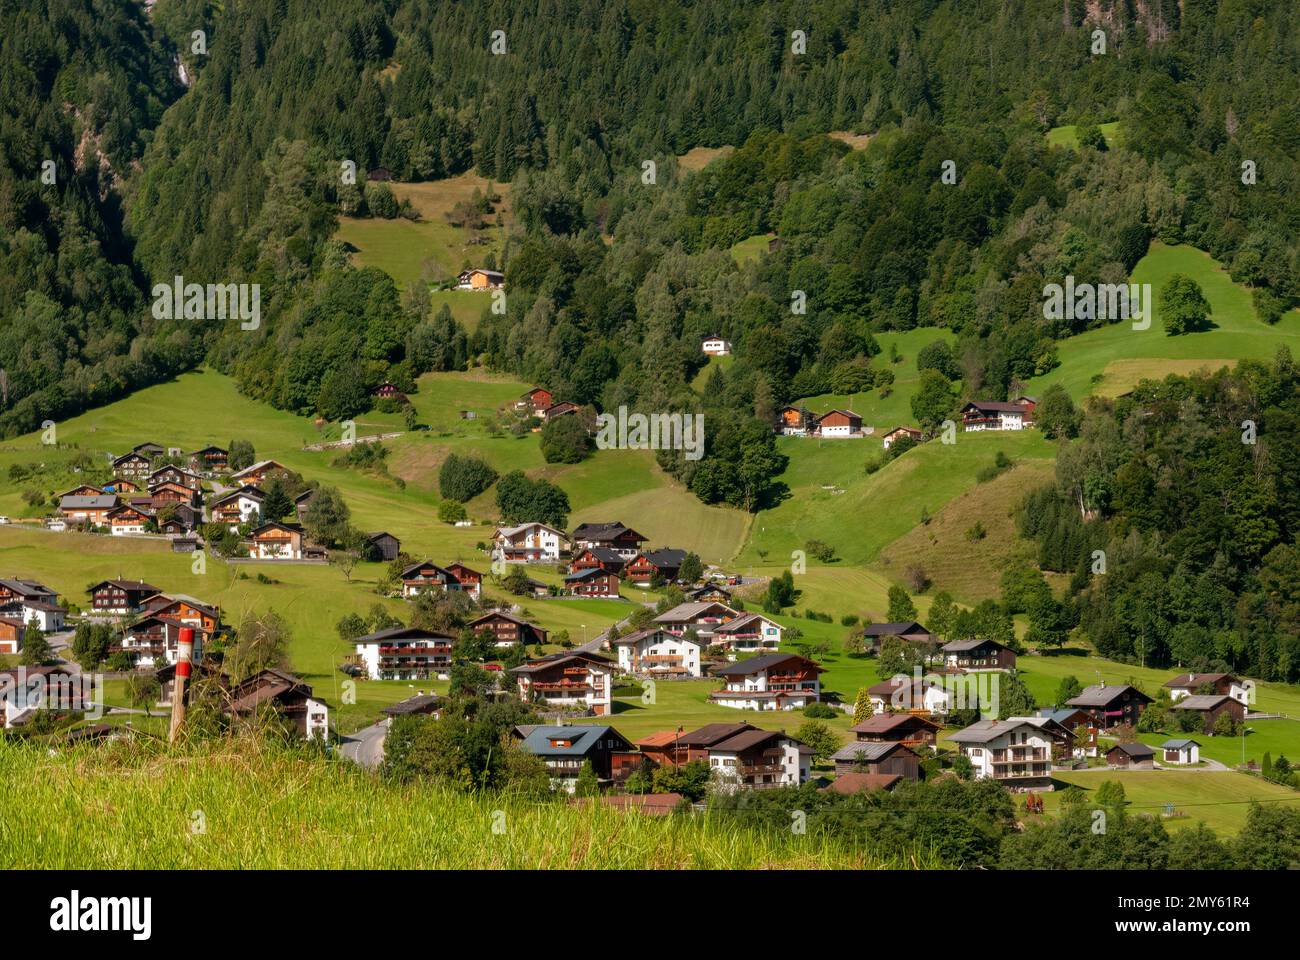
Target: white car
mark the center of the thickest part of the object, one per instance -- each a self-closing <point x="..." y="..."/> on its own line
<point x="4" y="519"/>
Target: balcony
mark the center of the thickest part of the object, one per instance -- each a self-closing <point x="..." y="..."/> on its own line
<point x="1021" y="756"/>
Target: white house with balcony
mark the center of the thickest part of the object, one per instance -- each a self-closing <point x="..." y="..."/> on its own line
<point x="528" y="543"/>
<point x="656" y="653"/>
<point x="1015" y="752"/>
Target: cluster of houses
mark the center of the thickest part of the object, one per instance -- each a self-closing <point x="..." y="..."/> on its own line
<point x="170" y="499"/>
<point x="600" y="556"/>
<point x="797" y="420"/>
<point x="541" y="403"/>
<point x="25" y="604"/>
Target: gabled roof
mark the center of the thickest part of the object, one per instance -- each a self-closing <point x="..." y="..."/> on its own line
<point x="1190" y="681"/>
<point x="104" y="501"/>
<point x="1135" y="750"/>
<point x="1202" y="702"/>
<point x="247" y="490"/>
<point x="520" y="528"/>
<point x="639" y="635"/>
<point x="605" y="554"/>
<point x="868" y="752"/>
<point x="588" y="574"/>
<point x="745" y="668"/>
<point x="974" y="643"/>
<point x="1100" y="695"/>
<point x="582" y="738"/>
<point x="491" y="614"/>
<point x="995" y="406"/>
<point x="848" y="413"/>
<point x="711" y="733"/>
<point x="259" y="466"/>
<point x="132" y="585"/>
<point x="743" y="622"/>
<point x="133" y="455"/>
<point x="604" y="531"/>
<point x="893" y="629"/>
<point x="421" y="703"/>
<point x="687" y="612"/>
<point x="27" y="588"/>
<point x="749" y="739"/>
<point x="402" y="633"/>
<point x="863" y="782"/>
<point x="882" y="723"/>
<point x="665" y="557"/>
<point x="984" y="731"/>
<point x="263" y="687"/>
<point x="162" y="601"/>
<point x="1180" y="744"/>
<point x="555" y="659"/>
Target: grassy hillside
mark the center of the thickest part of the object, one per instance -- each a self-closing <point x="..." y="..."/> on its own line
<point x="885" y="413"/>
<point x="1068" y="136"/>
<point x="430" y="248"/>
<point x="968" y="568"/>
<point x="835" y="501"/>
<point x="240" y="806"/>
<point x="1113" y="358"/>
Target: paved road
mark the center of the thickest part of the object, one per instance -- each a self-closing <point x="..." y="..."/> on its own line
<point x="366" y="746"/>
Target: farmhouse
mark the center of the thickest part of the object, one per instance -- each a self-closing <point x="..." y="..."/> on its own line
<point x="794" y="421"/>
<point x="774" y="681"/>
<point x="287" y="695"/>
<point x="259" y="472"/>
<point x="566" y="749"/>
<point x="568" y="680"/>
<point x="910" y="695"/>
<point x="480" y="279"/>
<point x="1226" y="684"/>
<point x="746" y="633"/>
<point x="703" y="618"/>
<point x="508" y="629"/>
<point x="27" y="600"/>
<point x="386" y="391"/>
<point x="707" y="592"/>
<point x="1211" y="708"/>
<point x="116" y="486"/>
<point x="996" y="415"/>
<point x="1111" y="706"/>
<point x="614" y="536"/>
<point x="427" y="575"/>
<point x="422" y="704"/>
<point x="978" y="654"/>
<point x="186" y="610"/>
<point x="132" y="466"/>
<point x="405" y="653"/>
<point x="1136" y="756"/>
<point x="559" y="409"/>
<point x="168" y="492"/>
<point x="598" y="558"/>
<point x="899" y="433"/>
<point x="85" y="490"/>
<point x="154" y="640"/>
<point x="1078" y="724"/>
<point x="837" y="424"/>
<point x="210" y="460"/>
<point x="177" y="475"/>
<point x="149" y="449"/>
<point x="238" y="506"/>
<point x="592" y="582"/>
<point x="536" y="400"/>
<point x="651" y="565"/>
<point x="1181" y="750"/>
<point x="276" y="541"/>
<point x="879" y="758"/>
<point x="1012" y="752"/>
<point x="529" y="543"/>
<point x="180" y="519"/>
<point x="910" y="729"/>
<point x="125" y="520"/>
<point x="759" y="760"/>
<point x="656" y="653"/>
<point x="715" y="346"/>
<point x="93" y="509"/>
<point x="120" y="597"/>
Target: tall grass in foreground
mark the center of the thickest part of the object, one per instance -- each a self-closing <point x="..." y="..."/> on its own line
<point x="249" y="804"/>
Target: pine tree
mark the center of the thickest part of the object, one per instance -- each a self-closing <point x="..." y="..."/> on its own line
<point x="862" y="709"/>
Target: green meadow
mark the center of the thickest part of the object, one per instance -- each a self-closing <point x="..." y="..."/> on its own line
<point x="1068" y="136"/>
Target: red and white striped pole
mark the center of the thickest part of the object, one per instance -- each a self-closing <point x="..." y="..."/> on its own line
<point x="184" y="655"/>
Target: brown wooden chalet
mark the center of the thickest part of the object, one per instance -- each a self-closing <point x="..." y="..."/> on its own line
<point x="210" y="460"/>
<point x="908" y="630"/>
<point x="285" y="694"/>
<point x="133" y="466"/>
<point x="794" y="421"/>
<point x="592" y="582"/>
<point x="185" y="610"/>
<point x="259" y="473"/>
<point x="178" y="475"/>
<point x="169" y="492"/>
<point x="120" y="597"/>
<point x="649" y="564"/>
<point x="612" y="536"/>
<point x="427" y="575"/>
<point x="603" y="559"/>
<point x="909" y="729"/>
<point x="508" y="629"/>
<point x="1111" y="706"/>
<point x="575" y="678"/>
<point x="978" y="654"/>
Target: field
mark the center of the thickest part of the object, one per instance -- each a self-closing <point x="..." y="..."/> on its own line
<point x="429" y="249"/>
<point x="1221" y="800"/>
<point x="697" y="158"/>
<point x="243" y="807"/>
<point x="1068" y="136"/>
<point x="1110" y="358"/>
<point x="751" y="248"/>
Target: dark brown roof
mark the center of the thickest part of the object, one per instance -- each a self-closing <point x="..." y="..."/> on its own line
<point x="862" y="782"/>
<point x="711" y="733"/>
<point x="885" y="722"/>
